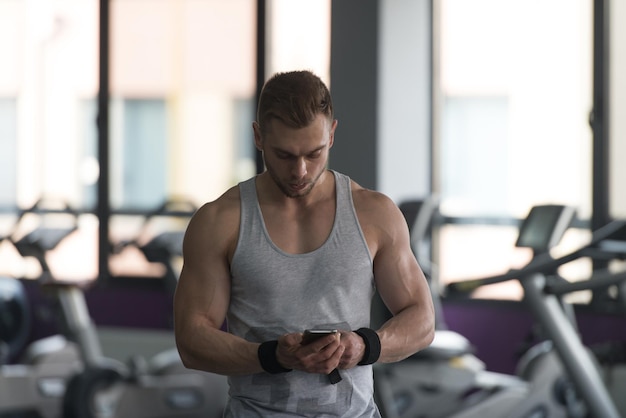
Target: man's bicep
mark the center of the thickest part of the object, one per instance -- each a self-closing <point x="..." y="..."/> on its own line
<point x="203" y="294"/>
<point x="399" y="280"/>
<point x="204" y="284"/>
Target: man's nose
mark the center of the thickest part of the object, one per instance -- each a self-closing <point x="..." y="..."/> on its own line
<point x="299" y="167"/>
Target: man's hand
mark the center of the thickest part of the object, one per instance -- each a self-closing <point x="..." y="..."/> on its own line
<point x="354" y="349"/>
<point x="320" y="356"/>
<point x="343" y="350"/>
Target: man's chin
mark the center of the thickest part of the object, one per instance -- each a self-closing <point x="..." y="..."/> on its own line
<point x="295" y="194"/>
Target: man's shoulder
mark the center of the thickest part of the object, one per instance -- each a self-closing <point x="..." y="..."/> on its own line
<point x="216" y="223"/>
<point x="370" y="199"/>
<point x="374" y="209"/>
<point x="221" y="208"/>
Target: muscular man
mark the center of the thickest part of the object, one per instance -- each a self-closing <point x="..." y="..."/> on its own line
<point x="298" y="246"/>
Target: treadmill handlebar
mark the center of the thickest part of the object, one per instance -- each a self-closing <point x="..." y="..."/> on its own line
<point x="541" y="263"/>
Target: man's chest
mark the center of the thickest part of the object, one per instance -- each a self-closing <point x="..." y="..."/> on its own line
<point x="299" y="233"/>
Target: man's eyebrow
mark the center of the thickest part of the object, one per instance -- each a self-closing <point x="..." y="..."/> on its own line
<point x="282" y="151"/>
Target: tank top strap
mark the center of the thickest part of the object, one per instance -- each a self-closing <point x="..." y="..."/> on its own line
<point x="247" y="190"/>
<point x="345" y="205"/>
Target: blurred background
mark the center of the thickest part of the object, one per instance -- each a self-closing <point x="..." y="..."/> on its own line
<point x="118" y="108"/>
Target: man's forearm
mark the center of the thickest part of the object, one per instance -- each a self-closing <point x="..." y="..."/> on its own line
<point x="219" y="352"/>
<point x="407" y="332"/>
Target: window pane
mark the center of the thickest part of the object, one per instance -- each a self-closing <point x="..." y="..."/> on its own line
<point x="617" y="145"/>
<point x="181" y="95"/>
<point x="89" y="168"/>
<point x="10" y="52"/>
<point x="49" y="69"/>
<point x="141" y="162"/>
<point x="298" y="36"/>
<point x="472" y="133"/>
<point x="183" y="92"/>
<point x="8" y="145"/>
<point x="49" y="55"/>
<point x="511" y="123"/>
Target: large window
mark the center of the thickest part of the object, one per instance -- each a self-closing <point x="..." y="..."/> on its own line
<point x="182" y="86"/>
<point x="182" y="99"/>
<point x="182" y="89"/>
<point x="49" y="56"/>
<point x="513" y="92"/>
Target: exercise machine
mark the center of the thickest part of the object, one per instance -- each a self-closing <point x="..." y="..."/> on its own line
<point x="160" y="237"/>
<point x="546" y="294"/>
<point x="446" y="380"/>
<point x="543" y="297"/>
<point x="15" y="317"/>
<point x="68" y="376"/>
<point x="159" y="387"/>
<point x="33" y="385"/>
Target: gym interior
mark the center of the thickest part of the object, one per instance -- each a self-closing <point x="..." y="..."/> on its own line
<point x="484" y="120"/>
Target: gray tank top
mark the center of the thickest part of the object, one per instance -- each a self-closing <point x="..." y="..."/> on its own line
<point x="274" y="292"/>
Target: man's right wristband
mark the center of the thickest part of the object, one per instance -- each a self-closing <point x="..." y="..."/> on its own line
<point x="267" y="358"/>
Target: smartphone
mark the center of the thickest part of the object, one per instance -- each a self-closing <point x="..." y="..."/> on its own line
<point x="311" y="335"/>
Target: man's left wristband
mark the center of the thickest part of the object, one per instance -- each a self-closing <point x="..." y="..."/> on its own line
<point x="267" y="358"/>
<point x="372" y="346"/>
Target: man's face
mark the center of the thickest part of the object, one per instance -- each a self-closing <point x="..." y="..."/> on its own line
<point x="296" y="158"/>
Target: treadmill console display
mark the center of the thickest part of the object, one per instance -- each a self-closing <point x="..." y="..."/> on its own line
<point x="544" y="227"/>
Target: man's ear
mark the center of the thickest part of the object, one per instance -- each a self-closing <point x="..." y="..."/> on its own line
<point x="257" y="135"/>
<point x="332" y="133"/>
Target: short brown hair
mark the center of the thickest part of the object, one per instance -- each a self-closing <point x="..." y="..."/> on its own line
<point x="295" y="98"/>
